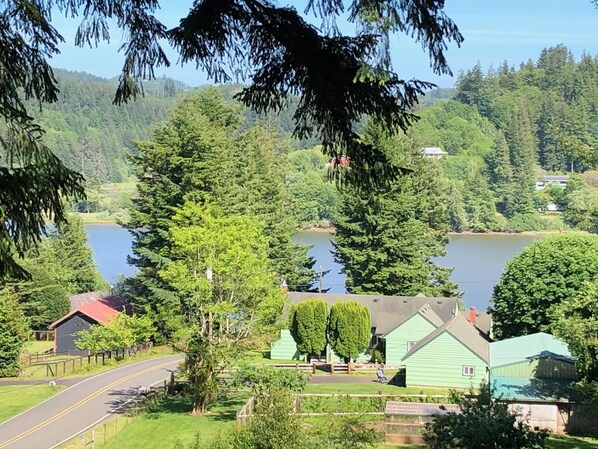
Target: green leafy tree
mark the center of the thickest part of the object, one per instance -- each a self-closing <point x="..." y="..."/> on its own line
<point x="582" y="209"/>
<point x="263" y="379"/>
<point x="275" y="426"/>
<point x="349" y="329"/>
<point x="219" y="268"/>
<point x="387" y="236"/>
<point x="547" y="273"/>
<point x="14" y="332"/>
<point x="124" y="331"/>
<point x="307" y="322"/>
<point x="483" y="422"/>
<point x="575" y="321"/>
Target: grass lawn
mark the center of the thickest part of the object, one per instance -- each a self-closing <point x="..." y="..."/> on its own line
<point x="373" y="388"/>
<point x="168" y="423"/>
<point x="567" y="442"/>
<point x="32" y="347"/>
<point x="16" y="398"/>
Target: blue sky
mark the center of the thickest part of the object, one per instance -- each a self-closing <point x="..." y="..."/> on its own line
<point x="494" y="30"/>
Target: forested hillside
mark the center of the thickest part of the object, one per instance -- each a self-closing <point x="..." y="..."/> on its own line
<point x="93" y="136"/>
<point x="504" y="129"/>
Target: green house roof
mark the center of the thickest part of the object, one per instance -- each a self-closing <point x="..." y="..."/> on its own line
<point x="463" y="331"/>
<point x="527" y="347"/>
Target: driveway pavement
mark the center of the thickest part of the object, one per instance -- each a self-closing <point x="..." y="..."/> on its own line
<point x="82" y="405"/>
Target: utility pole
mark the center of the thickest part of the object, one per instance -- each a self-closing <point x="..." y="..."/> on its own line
<point x="321" y="277"/>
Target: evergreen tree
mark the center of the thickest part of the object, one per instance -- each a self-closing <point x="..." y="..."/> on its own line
<point x="14" y="332"/>
<point x="257" y="190"/>
<point x="198" y="154"/>
<point x="478" y="200"/>
<point x="68" y="250"/>
<point x="385" y="237"/>
<point x="43" y="298"/>
<point x="349" y="329"/>
<point x="520" y="141"/>
<point x="308" y="322"/>
<point x="501" y="174"/>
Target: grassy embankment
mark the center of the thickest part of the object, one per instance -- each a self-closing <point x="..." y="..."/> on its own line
<point x="16" y="398"/>
<point x="38" y="372"/>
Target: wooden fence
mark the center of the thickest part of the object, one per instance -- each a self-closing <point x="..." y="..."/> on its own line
<point x="244" y="415"/>
<point x="64" y="363"/>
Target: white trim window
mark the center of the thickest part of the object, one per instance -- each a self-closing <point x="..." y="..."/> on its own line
<point x="468" y="370"/>
<point x="410" y="345"/>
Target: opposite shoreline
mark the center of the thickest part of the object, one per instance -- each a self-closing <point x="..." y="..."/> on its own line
<point x="92" y="219"/>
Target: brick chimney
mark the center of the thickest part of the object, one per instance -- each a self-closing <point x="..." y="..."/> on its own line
<point x="472" y="315"/>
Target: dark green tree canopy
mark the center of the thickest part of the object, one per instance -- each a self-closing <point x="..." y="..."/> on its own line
<point x="340" y="78"/>
<point x="547" y="273"/>
<point x="308" y="321"/>
<point x="349" y="328"/>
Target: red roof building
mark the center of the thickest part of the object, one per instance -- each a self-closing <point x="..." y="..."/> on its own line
<point x="100" y="311"/>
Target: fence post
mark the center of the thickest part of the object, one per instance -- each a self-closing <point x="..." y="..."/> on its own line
<point x="82" y="441"/>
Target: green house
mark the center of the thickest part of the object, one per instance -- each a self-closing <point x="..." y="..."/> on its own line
<point x="453" y="355"/>
<point x="531" y="367"/>
<point x="404" y="337"/>
<point x="397" y="322"/>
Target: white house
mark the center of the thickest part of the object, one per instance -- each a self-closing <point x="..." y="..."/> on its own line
<point x="433" y="152"/>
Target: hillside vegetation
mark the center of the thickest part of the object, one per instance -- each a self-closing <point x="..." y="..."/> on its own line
<point x="503" y="130"/>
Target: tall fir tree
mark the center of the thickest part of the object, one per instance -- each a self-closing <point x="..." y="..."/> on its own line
<point x="14" y="332"/>
<point x="68" y="250"/>
<point x="199" y="155"/>
<point x="501" y="174"/>
<point x="386" y="236"/>
<point x="521" y="145"/>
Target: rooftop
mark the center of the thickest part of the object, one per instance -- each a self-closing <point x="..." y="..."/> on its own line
<point x="388" y="312"/>
<point x="527" y="347"/>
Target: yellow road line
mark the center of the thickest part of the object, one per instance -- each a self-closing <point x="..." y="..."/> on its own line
<point x="79" y="404"/>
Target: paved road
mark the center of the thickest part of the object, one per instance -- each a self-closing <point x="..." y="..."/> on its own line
<point x="80" y="406"/>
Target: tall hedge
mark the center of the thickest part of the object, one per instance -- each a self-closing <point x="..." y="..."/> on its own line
<point x="349" y="329"/>
<point x="307" y="323"/>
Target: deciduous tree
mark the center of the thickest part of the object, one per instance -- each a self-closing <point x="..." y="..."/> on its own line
<point x="549" y="272"/>
<point x="575" y="321"/>
<point x="482" y="423"/>
<point x="219" y="267"/>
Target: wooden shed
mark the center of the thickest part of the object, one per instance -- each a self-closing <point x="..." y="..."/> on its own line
<point x="530" y="367"/>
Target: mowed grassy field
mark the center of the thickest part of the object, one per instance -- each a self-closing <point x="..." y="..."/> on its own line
<point x="168" y="425"/>
<point x="17" y="398"/>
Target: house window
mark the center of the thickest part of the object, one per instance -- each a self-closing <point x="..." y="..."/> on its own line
<point x="468" y="370"/>
<point x="410" y="344"/>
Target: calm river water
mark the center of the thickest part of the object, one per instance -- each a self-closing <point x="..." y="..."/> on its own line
<point x="478" y="260"/>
